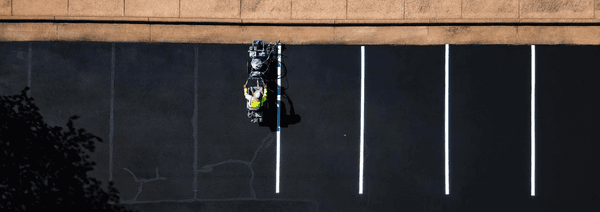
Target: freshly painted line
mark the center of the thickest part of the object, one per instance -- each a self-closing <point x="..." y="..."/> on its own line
<point x="195" y="122"/>
<point x="112" y="104"/>
<point x="29" y="69"/>
<point x="362" y="119"/>
<point x="447" y="88"/>
<point x="278" y="114"/>
<point x="532" y="120"/>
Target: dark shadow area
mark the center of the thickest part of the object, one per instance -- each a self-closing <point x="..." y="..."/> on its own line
<point x="291" y="117"/>
<point x="44" y="168"/>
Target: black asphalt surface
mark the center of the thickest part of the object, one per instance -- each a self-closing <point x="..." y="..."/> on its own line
<point x="171" y="117"/>
<point x="320" y="153"/>
<point x="404" y="128"/>
<point x="490" y="136"/>
<point x="566" y="115"/>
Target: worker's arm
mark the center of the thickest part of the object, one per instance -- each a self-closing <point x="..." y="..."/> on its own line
<point x="265" y="94"/>
<point x="264" y="97"/>
<point x="248" y="97"/>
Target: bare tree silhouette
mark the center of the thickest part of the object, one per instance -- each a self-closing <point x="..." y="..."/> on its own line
<point x="45" y="167"/>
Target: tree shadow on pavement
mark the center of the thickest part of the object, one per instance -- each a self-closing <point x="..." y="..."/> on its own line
<point x="44" y="168"/>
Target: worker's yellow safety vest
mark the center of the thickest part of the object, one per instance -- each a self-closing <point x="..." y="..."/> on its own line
<point x="257" y="104"/>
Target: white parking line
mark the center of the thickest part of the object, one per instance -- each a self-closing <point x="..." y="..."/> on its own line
<point x="532" y="120"/>
<point x="447" y="88"/>
<point x="362" y="118"/>
<point x="278" y="113"/>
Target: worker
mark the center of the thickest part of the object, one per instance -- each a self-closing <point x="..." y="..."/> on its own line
<point x="255" y="100"/>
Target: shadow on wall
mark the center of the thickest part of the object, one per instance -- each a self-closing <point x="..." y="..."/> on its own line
<point x="45" y="167"/>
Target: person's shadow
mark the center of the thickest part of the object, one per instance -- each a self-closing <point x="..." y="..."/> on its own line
<point x="287" y="117"/>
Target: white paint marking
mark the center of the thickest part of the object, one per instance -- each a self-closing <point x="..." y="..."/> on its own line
<point x="112" y="104"/>
<point x="447" y="88"/>
<point x="362" y="119"/>
<point x="532" y="120"/>
<point x="278" y="114"/>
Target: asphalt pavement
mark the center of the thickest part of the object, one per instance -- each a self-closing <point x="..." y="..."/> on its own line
<point x="180" y="136"/>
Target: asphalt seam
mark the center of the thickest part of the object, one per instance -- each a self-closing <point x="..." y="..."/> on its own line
<point x="195" y="122"/>
<point x="111" y="121"/>
<point x="29" y="55"/>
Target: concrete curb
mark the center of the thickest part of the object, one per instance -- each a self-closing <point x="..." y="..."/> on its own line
<point x="152" y="20"/>
<point x="302" y="35"/>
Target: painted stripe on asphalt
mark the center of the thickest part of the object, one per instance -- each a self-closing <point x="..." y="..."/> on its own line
<point x="532" y="120"/>
<point x="447" y="89"/>
<point x="278" y="114"/>
<point x="362" y="118"/>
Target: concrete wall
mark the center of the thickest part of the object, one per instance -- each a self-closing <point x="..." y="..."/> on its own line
<point x="494" y="21"/>
<point x="337" y="10"/>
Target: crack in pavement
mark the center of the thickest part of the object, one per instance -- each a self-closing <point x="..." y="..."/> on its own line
<point x="205" y="169"/>
<point x="209" y="168"/>
<point x="141" y="181"/>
